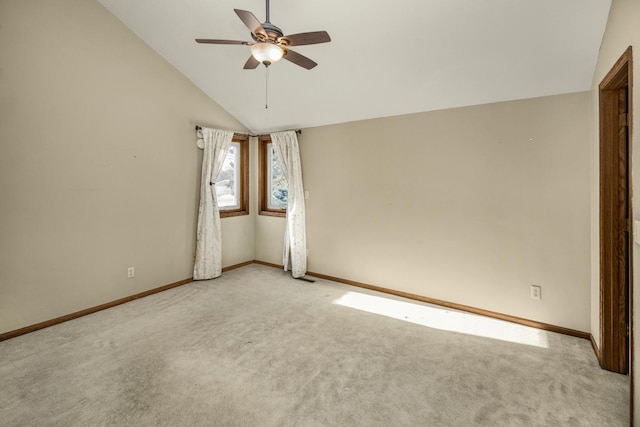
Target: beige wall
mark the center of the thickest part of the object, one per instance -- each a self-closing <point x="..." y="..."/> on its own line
<point x="623" y="30"/>
<point x="99" y="169"/>
<point x="470" y="205"/>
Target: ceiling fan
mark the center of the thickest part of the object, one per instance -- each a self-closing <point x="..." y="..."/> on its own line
<point x="269" y="43"/>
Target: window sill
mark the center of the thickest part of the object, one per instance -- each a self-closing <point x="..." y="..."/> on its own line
<point x="281" y="214"/>
<point x="226" y="214"/>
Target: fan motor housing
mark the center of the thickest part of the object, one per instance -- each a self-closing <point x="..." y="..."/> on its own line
<point x="273" y="32"/>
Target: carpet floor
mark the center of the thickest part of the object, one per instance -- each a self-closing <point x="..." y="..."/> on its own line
<point x="257" y="348"/>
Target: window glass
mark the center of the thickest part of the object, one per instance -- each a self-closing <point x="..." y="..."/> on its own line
<point x="272" y="185"/>
<point x="276" y="182"/>
<point x="228" y="181"/>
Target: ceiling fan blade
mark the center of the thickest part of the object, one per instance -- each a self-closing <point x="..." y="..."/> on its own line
<point x="298" y="59"/>
<point x="215" y="41"/>
<point x="251" y="22"/>
<point x="251" y="63"/>
<point x="313" y="37"/>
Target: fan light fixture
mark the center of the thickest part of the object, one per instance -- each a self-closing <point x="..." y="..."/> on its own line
<point x="267" y="53"/>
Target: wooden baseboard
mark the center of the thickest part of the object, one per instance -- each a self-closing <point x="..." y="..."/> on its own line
<point x="493" y="314"/>
<point x="233" y="267"/>
<point x="61" y="319"/>
<point x="460" y="307"/>
<point x="269" y="264"/>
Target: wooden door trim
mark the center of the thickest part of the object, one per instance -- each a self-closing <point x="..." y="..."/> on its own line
<point x="616" y="78"/>
<point x="614" y="351"/>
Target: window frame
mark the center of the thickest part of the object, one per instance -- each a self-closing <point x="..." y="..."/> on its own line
<point x="243" y="198"/>
<point x="263" y="180"/>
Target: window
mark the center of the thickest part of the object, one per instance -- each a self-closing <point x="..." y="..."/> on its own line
<point x="273" y="184"/>
<point x="233" y="181"/>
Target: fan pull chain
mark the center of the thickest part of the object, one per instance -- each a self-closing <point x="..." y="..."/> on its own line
<point x="266" y="90"/>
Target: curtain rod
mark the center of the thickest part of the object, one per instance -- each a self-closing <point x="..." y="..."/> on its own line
<point x="298" y="131"/>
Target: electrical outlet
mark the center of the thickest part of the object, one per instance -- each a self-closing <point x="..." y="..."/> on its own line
<point x="131" y="272"/>
<point x="536" y="292"/>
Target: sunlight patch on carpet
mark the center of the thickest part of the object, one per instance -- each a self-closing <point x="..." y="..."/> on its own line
<point x="444" y="319"/>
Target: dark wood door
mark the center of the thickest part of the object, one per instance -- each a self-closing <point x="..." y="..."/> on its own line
<point x="615" y="229"/>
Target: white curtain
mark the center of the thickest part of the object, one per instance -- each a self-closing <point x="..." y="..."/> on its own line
<point x="285" y="146"/>
<point x="208" y="237"/>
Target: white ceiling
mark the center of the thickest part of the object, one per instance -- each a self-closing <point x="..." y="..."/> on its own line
<point x="385" y="58"/>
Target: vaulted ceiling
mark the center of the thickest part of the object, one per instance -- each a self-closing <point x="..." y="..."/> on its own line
<point x="385" y="58"/>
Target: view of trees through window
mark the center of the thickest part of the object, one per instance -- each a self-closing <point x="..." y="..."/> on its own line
<point x="278" y="188"/>
<point x="227" y="183"/>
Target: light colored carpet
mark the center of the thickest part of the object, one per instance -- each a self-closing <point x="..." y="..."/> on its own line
<point x="257" y="348"/>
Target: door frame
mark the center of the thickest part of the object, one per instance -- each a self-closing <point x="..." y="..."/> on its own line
<point x="615" y="233"/>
